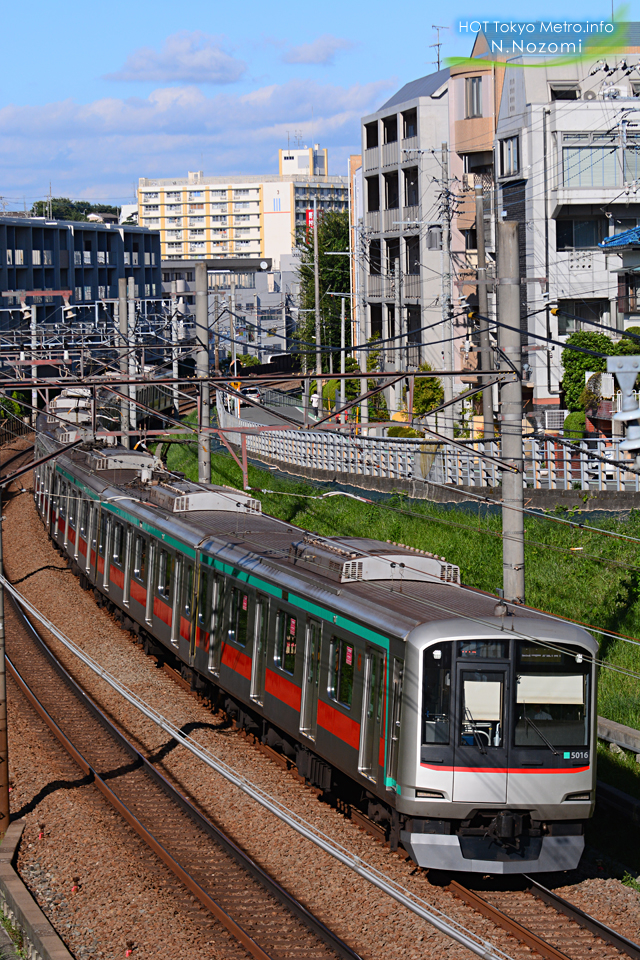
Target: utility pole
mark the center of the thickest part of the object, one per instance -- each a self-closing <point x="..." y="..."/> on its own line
<point x="124" y="362"/>
<point x="131" y="338"/>
<point x="483" y="310"/>
<point x="174" y="347"/>
<point x="316" y="280"/>
<point x="398" y="352"/>
<point x="202" y="362"/>
<point x="232" y="321"/>
<point x="362" y="357"/>
<point x="216" y="334"/>
<point x="447" y="331"/>
<point x="343" y="361"/>
<point x="34" y="368"/>
<point x="4" y="746"/>
<point x="511" y="410"/>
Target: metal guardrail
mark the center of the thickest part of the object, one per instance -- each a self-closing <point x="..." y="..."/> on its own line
<point x="549" y="464"/>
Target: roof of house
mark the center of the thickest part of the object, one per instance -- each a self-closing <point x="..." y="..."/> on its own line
<point x="629" y="238"/>
<point x="424" y="87"/>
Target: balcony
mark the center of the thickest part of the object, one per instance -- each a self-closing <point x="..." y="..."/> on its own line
<point x="390" y="154"/>
<point x="390" y="220"/>
<point x="410" y="213"/>
<point x="411" y="285"/>
<point x="372" y="158"/>
<point x="376" y="286"/>
<point x="410" y="143"/>
<point x="372" y="220"/>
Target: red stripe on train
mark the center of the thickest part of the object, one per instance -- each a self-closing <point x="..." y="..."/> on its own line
<point x="434" y="766"/>
<point x="340" y="726"/>
<point x="138" y="593"/>
<point x="162" y="611"/>
<point x="282" y="689"/>
<point x="117" y="577"/>
<point x="236" y="660"/>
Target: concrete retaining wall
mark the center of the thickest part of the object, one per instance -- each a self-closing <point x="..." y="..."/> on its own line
<point x="41" y="940"/>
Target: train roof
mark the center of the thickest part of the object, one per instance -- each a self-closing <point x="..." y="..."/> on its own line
<point x="390" y="586"/>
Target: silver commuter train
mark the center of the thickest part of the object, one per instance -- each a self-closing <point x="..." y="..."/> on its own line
<point x="468" y="734"/>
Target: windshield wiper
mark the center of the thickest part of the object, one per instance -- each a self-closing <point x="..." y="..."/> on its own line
<point x="541" y="735"/>
<point x="476" y="736"/>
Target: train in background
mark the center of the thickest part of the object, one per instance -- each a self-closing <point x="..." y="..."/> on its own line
<point x="466" y="730"/>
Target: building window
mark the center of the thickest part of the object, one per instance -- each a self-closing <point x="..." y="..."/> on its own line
<point x="564" y="91"/>
<point x="151" y="208"/>
<point x="196" y="195"/>
<point x="571" y="312"/>
<point x="411" y="198"/>
<point x="390" y="129"/>
<point x="373" y="194"/>
<point x="410" y="124"/>
<point x="375" y="258"/>
<point x="149" y="196"/>
<point x="579" y="234"/>
<point x="219" y="219"/>
<point x="196" y="222"/>
<point x="371" y="135"/>
<point x="87" y="293"/>
<point x="413" y="255"/>
<point x="473" y="97"/>
<point x="591" y="159"/>
<point x="391" y="190"/>
<point x="173" y="196"/>
<point x="509" y="156"/>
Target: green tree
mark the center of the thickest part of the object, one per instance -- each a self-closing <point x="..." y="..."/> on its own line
<point x="65" y="209"/>
<point x="10" y="407"/>
<point x="249" y="360"/>
<point x="377" y="404"/>
<point x="333" y="237"/>
<point x="428" y="392"/>
<point x="575" y="364"/>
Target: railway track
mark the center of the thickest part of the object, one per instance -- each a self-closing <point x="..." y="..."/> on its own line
<point x="262" y="919"/>
<point x="547" y="924"/>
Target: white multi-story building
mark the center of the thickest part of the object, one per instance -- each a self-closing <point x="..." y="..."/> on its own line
<point x="241" y="216"/>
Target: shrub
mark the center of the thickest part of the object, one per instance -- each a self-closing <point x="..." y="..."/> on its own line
<point x="575" y="425"/>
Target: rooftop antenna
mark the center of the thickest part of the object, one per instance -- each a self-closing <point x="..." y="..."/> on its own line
<point x="437" y="45"/>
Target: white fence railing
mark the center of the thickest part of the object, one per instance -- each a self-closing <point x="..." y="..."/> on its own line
<point x="549" y="464"/>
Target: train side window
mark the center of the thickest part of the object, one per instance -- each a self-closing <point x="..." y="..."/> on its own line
<point x="286" y="641"/>
<point x="73" y="506"/>
<point x="165" y="566"/>
<point x="63" y="500"/>
<point x="140" y="560"/>
<point x="84" y="517"/>
<point x="436" y="693"/>
<point x="188" y="591"/>
<point x="118" y="544"/>
<point x="239" y="616"/>
<point x="341" y="665"/>
<point x="204" y="618"/>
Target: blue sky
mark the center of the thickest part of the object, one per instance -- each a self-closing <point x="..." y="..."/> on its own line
<point x="95" y="95"/>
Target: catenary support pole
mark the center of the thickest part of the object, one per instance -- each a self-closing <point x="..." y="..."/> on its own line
<point x="511" y="411"/>
<point x="34" y="368"/>
<point x="131" y="340"/>
<point x="399" y="353"/>
<point x="343" y="359"/>
<point x="4" y="747"/>
<point x="124" y="361"/>
<point x="174" y="347"/>
<point x="202" y="362"/>
<point x="316" y="299"/>
<point x="216" y="335"/>
<point x="447" y="331"/>
<point x="483" y="310"/>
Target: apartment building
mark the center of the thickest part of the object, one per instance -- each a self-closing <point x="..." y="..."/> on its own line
<point x="241" y="216"/>
<point x="86" y="259"/>
<point x="402" y="218"/>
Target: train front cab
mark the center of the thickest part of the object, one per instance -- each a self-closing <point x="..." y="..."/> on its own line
<point x="497" y="761"/>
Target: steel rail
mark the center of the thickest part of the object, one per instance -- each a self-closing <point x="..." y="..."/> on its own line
<point x="574" y="913"/>
<point x="445" y="924"/>
<point x="516" y="929"/>
<point x="218" y="836"/>
<point x="213" y="906"/>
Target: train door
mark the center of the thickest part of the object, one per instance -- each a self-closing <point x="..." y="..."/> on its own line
<point x="311" y="679"/>
<point x="259" y="661"/>
<point x="394" y="723"/>
<point x="480" y="751"/>
<point x="371" y="721"/>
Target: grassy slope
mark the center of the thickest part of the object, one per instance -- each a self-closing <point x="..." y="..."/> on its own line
<point x="575" y="584"/>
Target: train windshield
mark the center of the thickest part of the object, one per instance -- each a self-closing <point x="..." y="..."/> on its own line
<point x="552" y="696"/>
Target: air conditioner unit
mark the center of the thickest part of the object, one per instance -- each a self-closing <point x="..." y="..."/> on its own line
<point x="611" y="92"/>
<point x="589" y="95"/>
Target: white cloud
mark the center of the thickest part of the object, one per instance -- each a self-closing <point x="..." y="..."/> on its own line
<point x="194" y="57"/>
<point x="322" y="50"/>
<point x="98" y="149"/>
